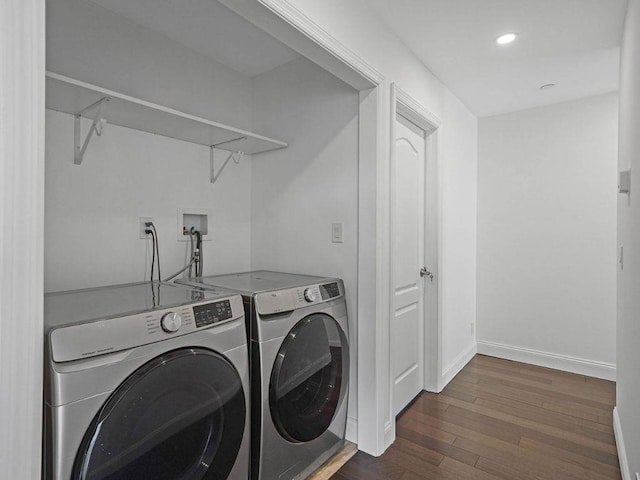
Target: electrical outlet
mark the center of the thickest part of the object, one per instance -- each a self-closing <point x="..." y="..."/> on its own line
<point x="142" y="227"/>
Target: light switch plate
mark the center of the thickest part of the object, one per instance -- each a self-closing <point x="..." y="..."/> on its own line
<point x="337" y="232"/>
<point x="624" y="181"/>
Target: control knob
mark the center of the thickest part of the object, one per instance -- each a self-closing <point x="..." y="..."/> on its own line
<point x="171" y="322"/>
<point x="309" y="296"/>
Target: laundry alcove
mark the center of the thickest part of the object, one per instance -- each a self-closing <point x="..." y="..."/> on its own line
<point x="269" y="209"/>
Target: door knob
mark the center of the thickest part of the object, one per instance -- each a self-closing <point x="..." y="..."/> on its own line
<point x="426" y="273"/>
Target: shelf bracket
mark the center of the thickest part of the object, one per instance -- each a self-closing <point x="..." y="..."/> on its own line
<point x="96" y="127"/>
<point x="244" y="137"/>
<point x="213" y="175"/>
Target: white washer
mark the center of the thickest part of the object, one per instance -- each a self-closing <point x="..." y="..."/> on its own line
<point x="299" y="368"/>
<point x="145" y="381"/>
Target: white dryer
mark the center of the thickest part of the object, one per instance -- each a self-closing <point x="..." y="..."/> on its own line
<point x="299" y="368"/>
<point x="145" y="381"/>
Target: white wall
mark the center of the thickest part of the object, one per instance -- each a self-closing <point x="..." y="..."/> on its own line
<point x="92" y="210"/>
<point x="459" y="181"/>
<point x="21" y="243"/>
<point x="628" y="326"/>
<point x="297" y="192"/>
<point x="546" y="235"/>
<point x="92" y="44"/>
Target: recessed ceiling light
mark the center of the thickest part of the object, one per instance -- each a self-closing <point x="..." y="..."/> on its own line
<point x="547" y="86"/>
<point x="506" y="38"/>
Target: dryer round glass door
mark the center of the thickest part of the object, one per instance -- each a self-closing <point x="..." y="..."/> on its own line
<point x="179" y="416"/>
<point x="309" y="378"/>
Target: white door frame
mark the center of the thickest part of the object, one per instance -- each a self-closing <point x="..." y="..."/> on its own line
<point x="405" y="105"/>
<point x="22" y="49"/>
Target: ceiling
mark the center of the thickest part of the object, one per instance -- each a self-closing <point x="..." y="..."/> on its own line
<point x="208" y="28"/>
<point x="571" y="43"/>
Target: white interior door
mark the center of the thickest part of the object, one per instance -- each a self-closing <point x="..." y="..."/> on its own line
<point x="408" y="225"/>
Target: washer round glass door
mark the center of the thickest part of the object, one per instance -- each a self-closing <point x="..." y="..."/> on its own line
<point x="309" y="378"/>
<point x="179" y="416"/>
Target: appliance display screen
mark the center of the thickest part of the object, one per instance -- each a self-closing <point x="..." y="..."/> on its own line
<point x="212" y="313"/>
<point x="330" y="290"/>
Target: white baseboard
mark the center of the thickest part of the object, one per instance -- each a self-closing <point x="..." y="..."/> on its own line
<point x="580" y="366"/>
<point x="352" y="430"/>
<point x="458" y="364"/>
<point x="622" y="452"/>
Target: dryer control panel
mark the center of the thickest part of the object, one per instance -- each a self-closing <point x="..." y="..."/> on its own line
<point x="211" y="313"/>
<point x="268" y="303"/>
<point x="98" y="337"/>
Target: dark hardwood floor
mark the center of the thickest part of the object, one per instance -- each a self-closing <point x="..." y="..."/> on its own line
<point x="501" y="420"/>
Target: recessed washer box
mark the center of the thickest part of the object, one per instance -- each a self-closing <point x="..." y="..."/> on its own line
<point x="198" y="218"/>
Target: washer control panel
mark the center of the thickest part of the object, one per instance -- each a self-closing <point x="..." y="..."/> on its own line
<point x="211" y="313"/>
<point x="101" y="336"/>
<point x="280" y="301"/>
